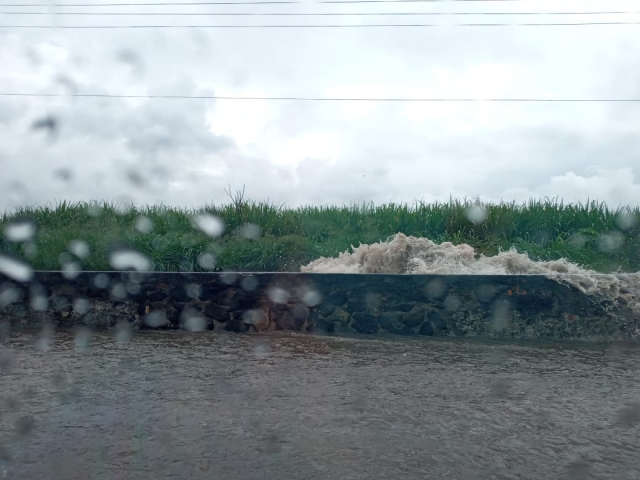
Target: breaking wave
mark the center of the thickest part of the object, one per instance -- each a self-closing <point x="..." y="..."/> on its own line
<point x="402" y="254"/>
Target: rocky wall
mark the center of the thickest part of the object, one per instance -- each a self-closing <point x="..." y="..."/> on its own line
<point x="497" y="306"/>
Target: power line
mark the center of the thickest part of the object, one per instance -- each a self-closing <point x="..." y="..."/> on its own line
<point x="331" y="99"/>
<point x="268" y="14"/>
<point x="256" y="2"/>
<point x="414" y="25"/>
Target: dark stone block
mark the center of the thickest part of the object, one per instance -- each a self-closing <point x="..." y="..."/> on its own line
<point x="326" y="309"/>
<point x="437" y="320"/>
<point x="426" y="329"/>
<point x="235" y="325"/>
<point x="356" y="305"/>
<point x="406" y="331"/>
<point x="212" y="292"/>
<point x="338" y="298"/>
<point x="390" y="321"/>
<point x="216" y="312"/>
<point x="157" y="296"/>
<point x="365" y="324"/>
<point x="415" y="319"/>
<point x="403" y="307"/>
<point x="179" y="294"/>
<point x="324" y="326"/>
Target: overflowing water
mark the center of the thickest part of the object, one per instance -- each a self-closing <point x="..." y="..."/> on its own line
<point x="210" y="405"/>
<point x="403" y="254"/>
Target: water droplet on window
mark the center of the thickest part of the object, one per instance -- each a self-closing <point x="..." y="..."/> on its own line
<point x="79" y="248"/>
<point x="578" y="240"/>
<point x="49" y="124"/>
<point x="94" y="210"/>
<point x="207" y="261"/>
<point x="626" y="220"/>
<point x="249" y="283"/>
<point x="133" y="288"/>
<point x="476" y="213"/>
<point x="261" y="349"/>
<point x="629" y="415"/>
<point x="123" y="332"/>
<point x="312" y="298"/>
<point x="129" y="259"/>
<point x="39" y="301"/>
<point x="82" y="339"/>
<point x="193" y="290"/>
<point x="278" y="295"/>
<point x="155" y="319"/>
<point x="6" y="361"/>
<point x="15" y="268"/>
<point x="101" y="280"/>
<point x="610" y="242"/>
<point x="71" y="270"/>
<point x="25" y="425"/>
<point x="81" y="306"/>
<point x="229" y="278"/>
<point x="119" y="292"/>
<point x="63" y="174"/>
<point x="144" y="224"/>
<point x="211" y="225"/>
<point x="20" y="230"/>
<point x="578" y="470"/>
<point x="250" y="231"/>
<point x="193" y="321"/>
<point x="135" y="178"/>
<point x="8" y="295"/>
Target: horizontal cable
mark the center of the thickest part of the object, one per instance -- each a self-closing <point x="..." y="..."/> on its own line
<point x="257" y="2"/>
<point x="356" y="14"/>
<point x="414" y="25"/>
<point x="330" y="99"/>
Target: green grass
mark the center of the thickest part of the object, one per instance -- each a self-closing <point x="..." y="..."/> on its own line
<point x="545" y="229"/>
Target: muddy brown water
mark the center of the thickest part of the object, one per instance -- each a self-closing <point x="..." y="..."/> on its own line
<point x="292" y="406"/>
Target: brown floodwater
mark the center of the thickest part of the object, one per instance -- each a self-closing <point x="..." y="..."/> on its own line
<point x="222" y="406"/>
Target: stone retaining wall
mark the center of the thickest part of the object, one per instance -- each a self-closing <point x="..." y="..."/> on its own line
<point x="507" y="306"/>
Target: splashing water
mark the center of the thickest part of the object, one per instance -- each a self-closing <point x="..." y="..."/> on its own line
<point x="402" y="254"/>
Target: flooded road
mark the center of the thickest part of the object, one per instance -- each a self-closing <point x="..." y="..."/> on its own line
<point x="215" y="406"/>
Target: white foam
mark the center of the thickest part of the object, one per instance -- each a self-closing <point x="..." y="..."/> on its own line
<point x="402" y="254"/>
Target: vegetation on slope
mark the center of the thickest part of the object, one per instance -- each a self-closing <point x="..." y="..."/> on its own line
<point x="592" y="235"/>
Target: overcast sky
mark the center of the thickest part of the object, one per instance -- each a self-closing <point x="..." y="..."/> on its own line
<point x="185" y="152"/>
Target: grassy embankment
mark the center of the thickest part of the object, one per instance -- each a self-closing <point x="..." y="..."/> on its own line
<point x="591" y="235"/>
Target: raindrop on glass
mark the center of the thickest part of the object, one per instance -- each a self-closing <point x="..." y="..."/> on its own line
<point x="101" y="280"/>
<point x="155" y="319"/>
<point x="129" y="259"/>
<point x="229" y="278"/>
<point x="312" y="298"/>
<point x="71" y="270"/>
<point x="476" y="213"/>
<point x="193" y="290"/>
<point x="79" y="248"/>
<point x="194" y="322"/>
<point x="250" y="231"/>
<point x="119" y="292"/>
<point x="123" y="332"/>
<point x="20" y="230"/>
<point x="626" y="220"/>
<point x="278" y="295"/>
<point x="610" y="242"/>
<point x="82" y="339"/>
<point x="81" y="306"/>
<point x="8" y="295"/>
<point x="144" y="224"/>
<point x="211" y="225"/>
<point x="15" y="269"/>
<point x="249" y="283"/>
<point x="207" y="261"/>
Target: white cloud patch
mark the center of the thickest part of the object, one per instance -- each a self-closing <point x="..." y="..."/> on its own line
<point x="185" y="152"/>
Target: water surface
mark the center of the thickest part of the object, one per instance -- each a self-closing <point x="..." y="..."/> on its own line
<point x="292" y="406"/>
